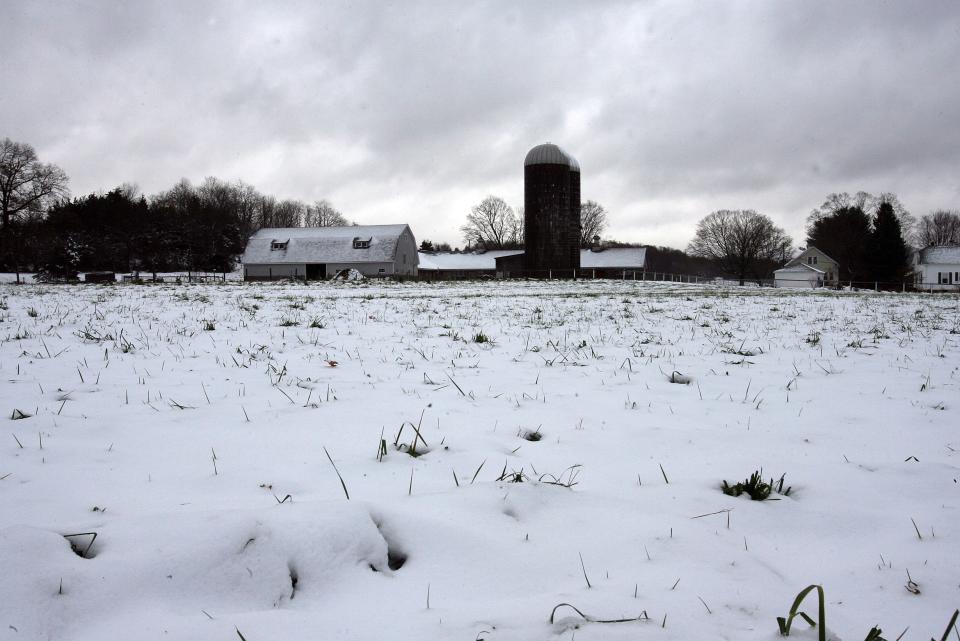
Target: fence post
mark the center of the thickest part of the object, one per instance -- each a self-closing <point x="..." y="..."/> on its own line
<point x="874" y="285"/>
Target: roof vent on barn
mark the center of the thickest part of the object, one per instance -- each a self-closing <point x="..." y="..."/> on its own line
<point x="279" y="245"/>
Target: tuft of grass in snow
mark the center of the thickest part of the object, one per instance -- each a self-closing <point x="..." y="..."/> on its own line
<point x="756" y="488"/>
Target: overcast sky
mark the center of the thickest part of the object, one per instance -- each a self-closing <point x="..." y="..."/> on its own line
<point x="413" y="112"/>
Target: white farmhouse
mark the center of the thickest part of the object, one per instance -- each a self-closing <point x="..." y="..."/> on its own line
<point x="317" y="253"/>
<point x="938" y="268"/>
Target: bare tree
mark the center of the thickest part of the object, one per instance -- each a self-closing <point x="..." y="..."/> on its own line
<point x="27" y="186"/>
<point x="518" y="233"/>
<point x="25" y="182"/>
<point x="742" y="242"/>
<point x="492" y="224"/>
<point x="593" y="220"/>
<point x="868" y="204"/>
<point x="323" y="214"/>
<point x="941" y="227"/>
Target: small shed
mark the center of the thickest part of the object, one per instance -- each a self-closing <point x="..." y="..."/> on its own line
<point x="799" y="276"/>
<point x="318" y="253"/>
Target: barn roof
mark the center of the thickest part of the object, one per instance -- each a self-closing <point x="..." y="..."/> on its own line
<point x="323" y="245"/>
<point x="940" y="255"/>
<point x="466" y="261"/>
<point x="612" y="258"/>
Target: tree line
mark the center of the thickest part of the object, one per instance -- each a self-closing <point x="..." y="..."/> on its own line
<point x="201" y="227"/>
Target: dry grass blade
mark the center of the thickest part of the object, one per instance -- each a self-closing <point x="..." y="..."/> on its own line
<point x="786" y="622"/>
<point x="329" y="458"/>
<point x="586" y="617"/>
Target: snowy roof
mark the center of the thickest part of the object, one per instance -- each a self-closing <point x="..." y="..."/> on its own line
<point x="619" y="257"/>
<point x="940" y="255"/>
<point x="323" y="244"/>
<point x="466" y="261"/>
<point x="550" y="154"/>
<point x="613" y="258"/>
<point x="799" y="267"/>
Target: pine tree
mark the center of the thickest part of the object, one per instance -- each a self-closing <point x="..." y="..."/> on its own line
<point x="889" y="256"/>
<point x="844" y="235"/>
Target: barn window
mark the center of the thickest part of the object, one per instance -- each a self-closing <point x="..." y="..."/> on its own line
<point x="278" y="245"/>
<point x="361" y="243"/>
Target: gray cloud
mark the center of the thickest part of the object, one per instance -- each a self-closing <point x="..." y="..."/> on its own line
<point x="415" y="111"/>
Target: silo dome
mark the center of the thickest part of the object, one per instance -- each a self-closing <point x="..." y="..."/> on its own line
<point x="550" y="154"/>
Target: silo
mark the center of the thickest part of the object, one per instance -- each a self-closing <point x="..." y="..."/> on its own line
<point x="575" y="211"/>
<point x="551" y="209"/>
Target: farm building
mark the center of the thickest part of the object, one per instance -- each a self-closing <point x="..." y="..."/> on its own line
<point x="938" y="268"/>
<point x="799" y="276"/>
<point x="616" y="262"/>
<point x="457" y="265"/>
<point x="819" y="262"/>
<point x="317" y="253"/>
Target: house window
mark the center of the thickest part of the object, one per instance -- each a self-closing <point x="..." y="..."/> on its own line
<point x="361" y="243"/>
<point x="381" y="270"/>
<point x="814" y="260"/>
<point x="278" y="245"/>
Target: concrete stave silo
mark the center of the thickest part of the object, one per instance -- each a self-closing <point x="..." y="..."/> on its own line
<point x="551" y="209"/>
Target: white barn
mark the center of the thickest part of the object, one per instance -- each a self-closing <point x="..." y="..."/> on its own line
<point x="318" y="253"/>
<point x="938" y="268"/>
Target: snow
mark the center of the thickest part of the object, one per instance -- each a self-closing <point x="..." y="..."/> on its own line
<point x="179" y="446"/>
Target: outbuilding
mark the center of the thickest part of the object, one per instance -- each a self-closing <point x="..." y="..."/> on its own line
<point x="613" y="262"/>
<point x="799" y="276"/>
<point x="318" y="253"/>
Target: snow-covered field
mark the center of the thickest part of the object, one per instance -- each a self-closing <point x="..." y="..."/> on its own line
<point x="189" y="427"/>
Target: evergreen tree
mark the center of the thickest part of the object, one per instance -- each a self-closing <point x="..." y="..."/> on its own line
<point x="844" y="235"/>
<point x="889" y="256"/>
